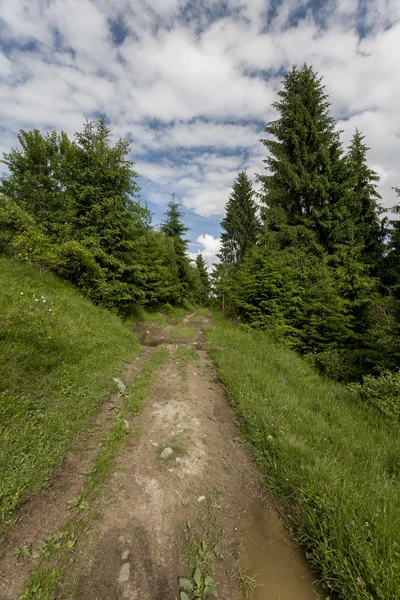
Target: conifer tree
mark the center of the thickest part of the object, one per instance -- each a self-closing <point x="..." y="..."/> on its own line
<point x="205" y="284"/>
<point x="241" y="225"/>
<point x="391" y="265"/>
<point x="36" y="179"/>
<point x="307" y="182"/>
<point x="363" y="206"/>
<point x="174" y="229"/>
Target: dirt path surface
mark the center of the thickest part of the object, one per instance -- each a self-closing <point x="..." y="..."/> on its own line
<point x="184" y="496"/>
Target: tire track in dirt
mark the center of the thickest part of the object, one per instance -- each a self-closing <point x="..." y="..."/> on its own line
<point x="45" y="512"/>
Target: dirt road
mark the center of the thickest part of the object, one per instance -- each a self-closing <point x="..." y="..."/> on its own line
<point x="185" y="496"/>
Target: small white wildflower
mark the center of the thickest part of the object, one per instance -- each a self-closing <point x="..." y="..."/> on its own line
<point x="22" y="293"/>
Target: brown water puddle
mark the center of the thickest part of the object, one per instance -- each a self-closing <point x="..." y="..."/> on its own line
<point x="279" y="569"/>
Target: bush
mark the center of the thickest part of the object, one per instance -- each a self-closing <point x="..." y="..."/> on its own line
<point x="187" y="305"/>
<point x="381" y="392"/>
<point x="137" y="312"/>
<point x="167" y="308"/>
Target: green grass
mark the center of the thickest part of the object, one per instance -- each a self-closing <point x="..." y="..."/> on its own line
<point x="183" y="357"/>
<point x="58" y="355"/>
<point x="137" y="393"/>
<point x="183" y="332"/>
<point x="333" y="463"/>
<point x="47" y="580"/>
<point x="163" y="315"/>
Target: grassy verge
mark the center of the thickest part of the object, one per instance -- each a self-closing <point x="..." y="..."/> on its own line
<point x="181" y="331"/>
<point x="163" y="315"/>
<point x="46" y="581"/>
<point x="58" y="354"/>
<point x="334" y="464"/>
<point x="183" y="357"/>
<point x="139" y="391"/>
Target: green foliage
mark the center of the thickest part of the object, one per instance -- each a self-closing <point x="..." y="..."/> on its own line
<point x="332" y="462"/>
<point x="183" y="275"/>
<point x="58" y="354"/>
<point x="240" y="225"/>
<point x="382" y="392"/>
<point x="391" y="263"/>
<point x="307" y="277"/>
<point x="203" y="294"/>
<point x="72" y="207"/>
<point x="364" y="206"/>
<point x="293" y="295"/>
<point x="199" y="586"/>
<point x="307" y="183"/>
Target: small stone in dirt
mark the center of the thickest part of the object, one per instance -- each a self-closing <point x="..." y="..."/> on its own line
<point x="166" y="453"/>
<point x="121" y="386"/>
<point x="125" y="555"/>
<point x="154" y="444"/>
<point x="201" y="499"/>
<point x="126" y="424"/>
<point x="124" y="573"/>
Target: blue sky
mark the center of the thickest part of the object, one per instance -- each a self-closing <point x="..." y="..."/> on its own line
<point x="192" y="84"/>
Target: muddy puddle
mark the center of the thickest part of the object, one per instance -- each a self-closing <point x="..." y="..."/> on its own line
<point x="277" y="567"/>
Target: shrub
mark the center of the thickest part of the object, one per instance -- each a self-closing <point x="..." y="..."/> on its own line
<point x="381" y="392"/>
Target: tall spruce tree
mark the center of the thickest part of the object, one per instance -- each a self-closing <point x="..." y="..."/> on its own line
<point x="205" y="284"/>
<point x="363" y="206"/>
<point x="307" y="182"/>
<point x="174" y="229"/>
<point x="391" y="265"/>
<point x="241" y="226"/>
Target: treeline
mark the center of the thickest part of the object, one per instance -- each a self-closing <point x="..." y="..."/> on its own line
<point x="73" y="206"/>
<point x="313" y="261"/>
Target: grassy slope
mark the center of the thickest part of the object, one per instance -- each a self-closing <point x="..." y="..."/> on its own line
<point x="334" y="465"/>
<point x="58" y="354"/>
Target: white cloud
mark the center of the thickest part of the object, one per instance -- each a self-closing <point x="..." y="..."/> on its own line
<point x="209" y="247"/>
<point x="192" y="93"/>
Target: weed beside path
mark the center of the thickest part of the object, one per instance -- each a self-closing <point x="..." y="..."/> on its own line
<point x="47" y="579"/>
<point x="58" y="355"/>
<point x="334" y="465"/>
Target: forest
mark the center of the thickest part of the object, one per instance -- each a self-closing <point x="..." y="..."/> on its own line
<point x="311" y="257"/>
<point x="298" y="326"/>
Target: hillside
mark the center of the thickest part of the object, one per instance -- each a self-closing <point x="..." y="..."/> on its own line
<point x="58" y="355"/>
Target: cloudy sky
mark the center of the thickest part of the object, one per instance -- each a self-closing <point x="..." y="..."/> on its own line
<point x="191" y="83"/>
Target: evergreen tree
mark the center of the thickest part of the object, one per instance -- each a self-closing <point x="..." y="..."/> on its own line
<point x="307" y="182"/>
<point x="241" y="225"/>
<point x="205" y="284"/>
<point x="173" y="226"/>
<point x="363" y="206"/>
<point x="36" y="180"/>
<point x="391" y="265"/>
<point x="174" y="229"/>
<point x="82" y="195"/>
<point x="108" y="219"/>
